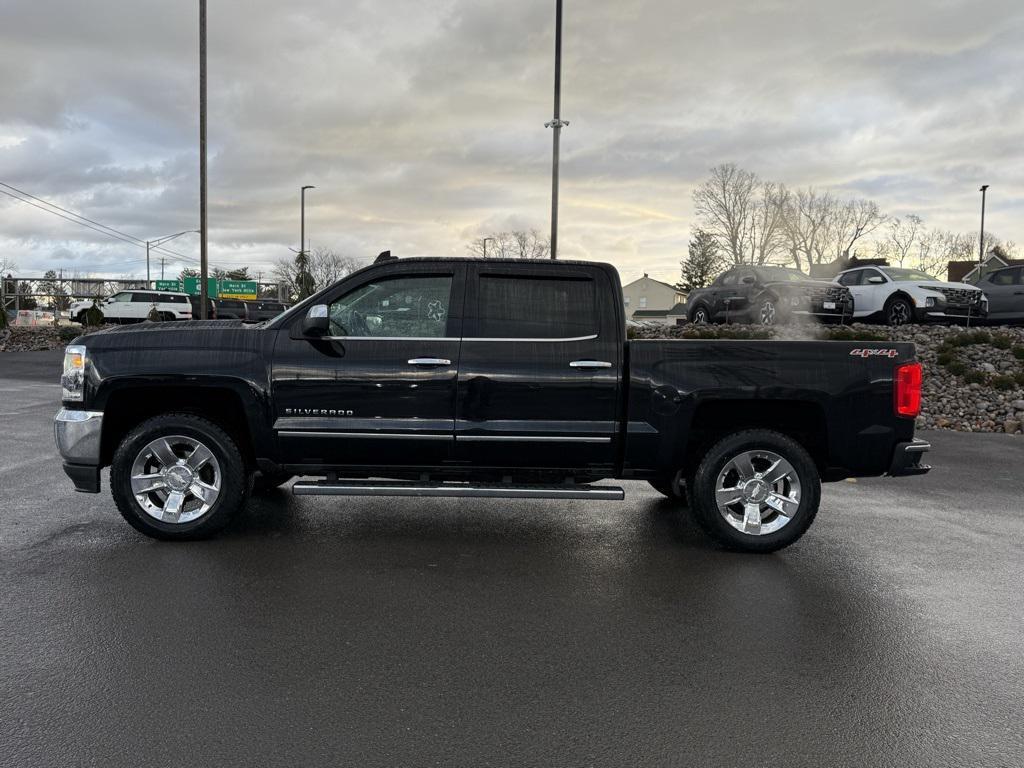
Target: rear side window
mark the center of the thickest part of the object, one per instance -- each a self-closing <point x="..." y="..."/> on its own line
<point x="170" y="298"/>
<point x="536" y="307"/>
<point x="143" y="298"/>
<point x="1008" y="277"/>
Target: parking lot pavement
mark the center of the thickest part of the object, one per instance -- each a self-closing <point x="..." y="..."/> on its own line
<point x="420" y="632"/>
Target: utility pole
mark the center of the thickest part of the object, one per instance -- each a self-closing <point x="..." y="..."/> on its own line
<point x="557" y="124"/>
<point x="203" y="265"/>
<point x="981" y="237"/>
<point x="302" y="278"/>
<point x="485" y="245"/>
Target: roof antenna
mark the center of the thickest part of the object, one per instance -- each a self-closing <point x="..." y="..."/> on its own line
<point x="384" y="256"/>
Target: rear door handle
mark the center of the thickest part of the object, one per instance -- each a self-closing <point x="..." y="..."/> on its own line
<point x="589" y="364"/>
<point x="429" y="361"/>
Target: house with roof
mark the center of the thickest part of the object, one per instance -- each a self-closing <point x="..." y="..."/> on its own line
<point x="972" y="272"/>
<point x="652" y="298"/>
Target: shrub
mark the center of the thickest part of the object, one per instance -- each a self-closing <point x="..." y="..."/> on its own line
<point x="93" y="316"/>
<point x="68" y="333"/>
<point x="1002" y="382"/>
<point x="945" y="358"/>
<point x="1001" y="341"/>
<point x="957" y="368"/>
<point x="1018" y="352"/>
<point x="980" y="337"/>
<point x="974" y="377"/>
<point x="1019" y="378"/>
<point x="849" y="334"/>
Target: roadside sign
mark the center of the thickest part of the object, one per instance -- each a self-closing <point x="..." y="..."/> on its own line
<point x="168" y="285"/>
<point x="238" y="289"/>
<point x="192" y="286"/>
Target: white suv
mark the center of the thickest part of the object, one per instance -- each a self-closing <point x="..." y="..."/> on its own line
<point x="898" y="296"/>
<point x="134" y="306"/>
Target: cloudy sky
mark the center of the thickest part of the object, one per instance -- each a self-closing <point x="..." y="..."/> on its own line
<point x="421" y="121"/>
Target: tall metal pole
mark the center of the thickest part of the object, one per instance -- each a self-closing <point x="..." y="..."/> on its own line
<point x="557" y="124"/>
<point x="147" y="264"/>
<point x="485" y="245"/>
<point x="981" y="237"/>
<point x="203" y="266"/>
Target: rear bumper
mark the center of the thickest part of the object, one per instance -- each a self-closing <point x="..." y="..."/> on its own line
<point x="77" y="434"/>
<point x="907" y="458"/>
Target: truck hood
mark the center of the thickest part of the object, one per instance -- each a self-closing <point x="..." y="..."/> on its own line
<point x="942" y="284"/>
<point x="201" y="334"/>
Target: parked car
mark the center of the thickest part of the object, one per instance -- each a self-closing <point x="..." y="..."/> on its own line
<point x="134" y="306"/>
<point x="767" y="295"/>
<point x="1004" y="289"/>
<point x="258" y="310"/>
<point x="230" y="309"/>
<point x="480" y="378"/>
<point x="898" y="296"/>
<point x="211" y="308"/>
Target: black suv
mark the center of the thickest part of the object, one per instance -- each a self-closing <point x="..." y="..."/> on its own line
<point x="767" y="295"/>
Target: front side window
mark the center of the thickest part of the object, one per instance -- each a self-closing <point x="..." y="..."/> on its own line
<point x="1007" y="277"/>
<point x="536" y="307"/>
<point x="729" y="278"/>
<point x="851" y="278"/>
<point x="398" y="306"/>
<point x="118" y="298"/>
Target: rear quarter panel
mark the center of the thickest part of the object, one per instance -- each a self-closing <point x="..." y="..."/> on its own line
<point x="851" y="384"/>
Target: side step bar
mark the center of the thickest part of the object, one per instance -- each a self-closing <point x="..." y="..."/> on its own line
<point x="460" y="490"/>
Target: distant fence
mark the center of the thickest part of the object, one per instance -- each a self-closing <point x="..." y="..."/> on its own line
<point x="37" y="292"/>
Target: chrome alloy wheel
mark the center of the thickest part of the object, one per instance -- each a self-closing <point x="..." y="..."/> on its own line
<point x="700" y="316"/>
<point x="176" y="479"/>
<point x="768" y="313"/>
<point x="757" y="492"/>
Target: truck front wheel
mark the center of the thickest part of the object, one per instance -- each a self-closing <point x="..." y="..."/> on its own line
<point x="756" y="491"/>
<point x="178" y="476"/>
<point x="670" y="486"/>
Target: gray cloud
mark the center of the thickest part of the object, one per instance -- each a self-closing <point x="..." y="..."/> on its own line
<point x="421" y="123"/>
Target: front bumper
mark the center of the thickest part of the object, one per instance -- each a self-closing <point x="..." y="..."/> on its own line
<point x="906" y="459"/>
<point x="942" y="310"/>
<point x="815" y="307"/>
<point x="78" y="434"/>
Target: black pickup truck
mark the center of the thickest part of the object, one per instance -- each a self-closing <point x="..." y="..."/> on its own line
<point x="479" y="378"/>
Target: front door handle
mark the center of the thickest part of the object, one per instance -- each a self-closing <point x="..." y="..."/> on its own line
<point x="590" y="364"/>
<point x="429" y="361"/>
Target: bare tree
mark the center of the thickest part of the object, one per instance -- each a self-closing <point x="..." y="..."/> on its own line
<point x="903" y="236"/>
<point x="7" y="265"/>
<point x="725" y="206"/>
<point x="322" y="268"/>
<point x="768" y="221"/>
<point x="809" y="214"/>
<point x="514" y="244"/>
<point x="849" y="222"/>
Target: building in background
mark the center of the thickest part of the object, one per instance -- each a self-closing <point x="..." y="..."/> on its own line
<point x="968" y="271"/>
<point x="648" y="294"/>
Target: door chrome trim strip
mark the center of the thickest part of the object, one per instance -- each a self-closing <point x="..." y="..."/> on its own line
<point x="532" y="439"/>
<point x="365" y="435"/>
<point x="591" y="337"/>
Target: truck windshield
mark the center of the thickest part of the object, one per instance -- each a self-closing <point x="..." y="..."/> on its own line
<point x="907" y="274"/>
<point x="781" y="275"/>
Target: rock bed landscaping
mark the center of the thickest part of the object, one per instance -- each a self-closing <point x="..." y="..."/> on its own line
<point x="39" y="338"/>
<point x="973" y="378"/>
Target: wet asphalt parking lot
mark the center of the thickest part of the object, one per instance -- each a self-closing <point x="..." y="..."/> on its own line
<point x="408" y="632"/>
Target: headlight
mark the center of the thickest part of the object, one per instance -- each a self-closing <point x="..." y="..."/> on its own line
<point x="794" y="301"/>
<point x="72" y="380"/>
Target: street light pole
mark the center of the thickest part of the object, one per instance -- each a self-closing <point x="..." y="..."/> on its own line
<point x="557" y="124"/>
<point x="203" y="266"/>
<point x="302" y="217"/>
<point x="485" y="245"/>
<point x="981" y="237"/>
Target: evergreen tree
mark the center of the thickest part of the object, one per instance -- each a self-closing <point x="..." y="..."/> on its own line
<point x="703" y="262"/>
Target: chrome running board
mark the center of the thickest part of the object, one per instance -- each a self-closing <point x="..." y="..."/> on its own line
<point x="455" y="489"/>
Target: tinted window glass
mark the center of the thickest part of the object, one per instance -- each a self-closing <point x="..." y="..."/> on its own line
<point x="851" y="278"/>
<point x="398" y="306"/>
<point x="1007" y="277"/>
<point x="143" y="298"/>
<point x="729" y="278"/>
<point x="119" y="297"/>
<point x="230" y="304"/>
<point x="536" y="307"/>
<point x="170" y="298"/>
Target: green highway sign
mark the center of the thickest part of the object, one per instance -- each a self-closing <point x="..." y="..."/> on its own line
<point x="168" y="285"/>
<point x="192" y="286"/>
<point x="238" y="289"/>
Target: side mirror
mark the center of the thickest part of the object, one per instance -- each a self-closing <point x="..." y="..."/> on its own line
<point x="316" y="322"/>
<point x="747" y="280"/>
<point x="876" y="280"/>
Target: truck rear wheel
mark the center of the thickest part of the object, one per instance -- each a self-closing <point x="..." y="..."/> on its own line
<point x="756" y="491"/>
<point x="178" y="476"/>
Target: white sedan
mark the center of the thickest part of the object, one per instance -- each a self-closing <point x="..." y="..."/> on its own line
<point x="898" y="296"/>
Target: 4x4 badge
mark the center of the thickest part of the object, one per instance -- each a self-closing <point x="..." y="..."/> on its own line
<point x="865" y="353"/>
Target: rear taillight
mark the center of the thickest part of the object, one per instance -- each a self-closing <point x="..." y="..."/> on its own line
<point x="908" y="390"/>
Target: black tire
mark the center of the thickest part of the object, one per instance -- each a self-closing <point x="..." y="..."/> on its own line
<point x="80" y="318"/>
<point x="265" y="483"/>
<point x="166" y="317"/>
<point x="700" y="315"/>
<point x="705" y="507"/>
<point x="234" y="489"/>
<point x="898" y="311"/>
